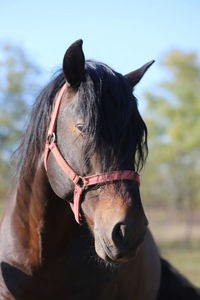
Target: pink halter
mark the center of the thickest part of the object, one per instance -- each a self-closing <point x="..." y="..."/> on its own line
<point x="80" y="182"/>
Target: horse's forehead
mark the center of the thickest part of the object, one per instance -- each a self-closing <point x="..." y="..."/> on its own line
<point x="69" y="97"/>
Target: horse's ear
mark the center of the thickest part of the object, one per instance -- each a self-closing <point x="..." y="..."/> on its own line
<point x="74" y="64"/>
<point x="135" y="76"/>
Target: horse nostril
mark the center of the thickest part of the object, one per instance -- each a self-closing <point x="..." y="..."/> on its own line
<point x="119" y="233"/>
<point x="122" y="231"/>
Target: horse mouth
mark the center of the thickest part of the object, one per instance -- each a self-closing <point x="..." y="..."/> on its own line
<point x="113" y="255"/>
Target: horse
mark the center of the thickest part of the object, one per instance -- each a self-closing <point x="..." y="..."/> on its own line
<point x="74" y="226"/>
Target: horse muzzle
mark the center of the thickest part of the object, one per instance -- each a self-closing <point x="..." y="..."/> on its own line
<point x="123" y="242"/>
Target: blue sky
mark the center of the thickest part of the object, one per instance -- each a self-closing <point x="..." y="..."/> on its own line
<point x="124" y="34"/>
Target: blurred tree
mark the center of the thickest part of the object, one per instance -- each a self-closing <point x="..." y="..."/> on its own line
<point x="18" y="81"/>
<point x="172" y="174"/>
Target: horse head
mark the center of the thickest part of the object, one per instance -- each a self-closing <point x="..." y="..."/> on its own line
<point x="98" y="130"/>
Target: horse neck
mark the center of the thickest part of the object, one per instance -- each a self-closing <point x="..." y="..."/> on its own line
<point x="41" y="223"/>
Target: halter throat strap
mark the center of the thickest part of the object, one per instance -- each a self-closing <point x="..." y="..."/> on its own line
<point x="81" y="183"/>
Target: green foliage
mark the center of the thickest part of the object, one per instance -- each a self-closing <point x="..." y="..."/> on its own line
<point x="173" y="118"/>
<point x="17" y="75"/>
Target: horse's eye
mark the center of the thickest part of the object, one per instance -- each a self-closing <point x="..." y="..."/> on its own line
<point x="80" y="128"/>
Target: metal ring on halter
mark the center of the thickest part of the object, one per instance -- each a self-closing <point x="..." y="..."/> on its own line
<point x="51" y="138"/>
<point x="81" y="182"/>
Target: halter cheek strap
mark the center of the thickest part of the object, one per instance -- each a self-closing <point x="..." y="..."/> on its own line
<point x="81" y="183"/>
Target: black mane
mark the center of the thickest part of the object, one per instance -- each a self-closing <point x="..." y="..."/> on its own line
<point x="33" y="141"/>
<point x="114" y="126"/>
<point x="113" y="136"/>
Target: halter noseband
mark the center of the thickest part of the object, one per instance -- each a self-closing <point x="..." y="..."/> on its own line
<point x="80" y="182"/>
